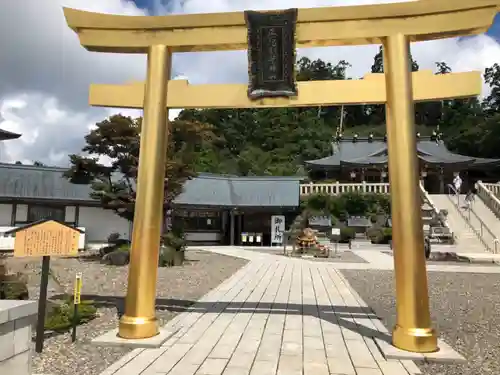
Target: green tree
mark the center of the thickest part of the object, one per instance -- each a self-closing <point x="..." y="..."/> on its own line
<point x="491" y="103"/>
<point x="111" y="160"/>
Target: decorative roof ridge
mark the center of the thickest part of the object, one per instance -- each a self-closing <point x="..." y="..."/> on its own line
<point x="355" y="139"/>
<point x="228" y="177"/>
<point x="32" y="167"/>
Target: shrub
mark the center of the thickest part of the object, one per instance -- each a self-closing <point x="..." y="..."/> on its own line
<point x="379" y="235"/>
<point x="113" y="237"/>
<point x="174" y="240"/>
<point x="376" y="235"/>
<point x="60" y="319"/>
<point x="172" y="249"/>
<point x="349" y="204"/>
<point x="347" y="234"/>
<point x="14" y="287"/>
<point x="170" y="257"/>
<point x="115" y="244"/>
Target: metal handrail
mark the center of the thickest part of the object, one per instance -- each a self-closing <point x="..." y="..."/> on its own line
<point x="479" y="233"/>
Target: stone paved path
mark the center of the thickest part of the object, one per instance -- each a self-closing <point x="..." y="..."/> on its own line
<point x="276" y="316"/>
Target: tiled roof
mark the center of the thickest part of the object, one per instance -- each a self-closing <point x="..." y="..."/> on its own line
<point x="48" y="183"/>
<point x="365" y="153"/>
<point x="5" y="135"/>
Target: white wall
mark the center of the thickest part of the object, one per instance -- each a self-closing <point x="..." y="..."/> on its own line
<point x="97" y="223"/>
<point x="100" y="223"/>
<point x="202" y="236"/>
<point x="5" y="215"/>
<point x="70" y="214"/>
<point x="22" y="212"/>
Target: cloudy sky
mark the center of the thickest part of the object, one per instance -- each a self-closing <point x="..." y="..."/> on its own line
<point x="45" y="73"/>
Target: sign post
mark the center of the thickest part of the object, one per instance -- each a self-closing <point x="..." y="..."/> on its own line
<point x="76" y="301"/>
<point x="277" y="229"/>
<point x="336" y="238"/>
<point x="42" y="304"/>
<point x="44" y="239"/>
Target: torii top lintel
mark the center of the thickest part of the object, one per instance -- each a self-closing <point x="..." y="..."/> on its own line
<point x="330" y="26"/>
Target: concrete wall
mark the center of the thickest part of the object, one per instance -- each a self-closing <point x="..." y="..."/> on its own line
<point x="16" y="321"/>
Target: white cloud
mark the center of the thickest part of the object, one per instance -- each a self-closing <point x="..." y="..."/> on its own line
<point x="46" y="73"/>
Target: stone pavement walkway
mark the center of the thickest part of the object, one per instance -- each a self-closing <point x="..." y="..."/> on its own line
<point x="276" y="316"/>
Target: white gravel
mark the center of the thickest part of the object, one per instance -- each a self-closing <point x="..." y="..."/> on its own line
<point x="465" y="309"/>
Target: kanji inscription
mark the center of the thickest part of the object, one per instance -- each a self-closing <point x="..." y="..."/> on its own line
<point x="48" y="238"/>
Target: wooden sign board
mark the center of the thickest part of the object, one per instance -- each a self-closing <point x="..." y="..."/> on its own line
<point x="47" y="238"/>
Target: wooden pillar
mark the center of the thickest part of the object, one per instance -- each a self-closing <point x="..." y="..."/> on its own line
<point x="231" y="227"/>
<point x="441" y="181"/>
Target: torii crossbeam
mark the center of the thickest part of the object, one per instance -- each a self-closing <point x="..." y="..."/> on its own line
<point x="392" y="25"/>
<point x="370" y="90"/>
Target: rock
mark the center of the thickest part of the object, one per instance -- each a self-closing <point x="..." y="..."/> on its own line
<point x="116" y="258"/>
<point x="106" y="250"/>
<point x="447" y="257"/>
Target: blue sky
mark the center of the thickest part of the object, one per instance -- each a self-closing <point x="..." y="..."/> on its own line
<point x="494" y="30"/>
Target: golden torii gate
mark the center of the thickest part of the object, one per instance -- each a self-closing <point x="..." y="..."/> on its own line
<point x="392" y="25"/>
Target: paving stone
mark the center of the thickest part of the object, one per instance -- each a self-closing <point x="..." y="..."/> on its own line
<point x="236" y="371"/>
<point x="222" y="351"/>
<point x="244" y="360"/>
<point x="183" y="369"/>
<point x="360" y="354"/>
<point x="292" y="348"/>
<point x="316" y="356"/>
<point x="290" y="365"/>
<point x="316" y="368"/>
<point x="292" y="335"/>
<point x="341" y="366"/>
<point x="212" y="366"/>
<point x="264" y="367"/>
<point x="369" y="371"/>
<point x="313" y="343"/>
<point x="392" y="368"/>
<point x="411" y="367"/>
<point x="278" y="317"/>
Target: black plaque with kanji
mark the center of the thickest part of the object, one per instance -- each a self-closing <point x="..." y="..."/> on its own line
<point x="271" y="53"/>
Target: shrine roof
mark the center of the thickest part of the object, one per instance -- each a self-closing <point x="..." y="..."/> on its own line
<point x="27" y="182"/>
<point x="6" y="135"/>
<point x="373" y="152"/>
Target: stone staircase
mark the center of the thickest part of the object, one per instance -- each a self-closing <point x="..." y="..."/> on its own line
<point x="467" y="240"/>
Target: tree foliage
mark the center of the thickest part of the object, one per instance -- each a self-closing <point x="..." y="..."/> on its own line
<point x="109" y="160"/>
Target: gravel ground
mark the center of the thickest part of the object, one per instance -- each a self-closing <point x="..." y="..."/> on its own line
<point x="465" y="310"/>
<point x="201" y="272"/>
<point x="343" y="256"/>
